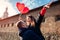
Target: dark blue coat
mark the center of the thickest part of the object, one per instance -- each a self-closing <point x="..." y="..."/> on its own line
<point x="33" y="33"/>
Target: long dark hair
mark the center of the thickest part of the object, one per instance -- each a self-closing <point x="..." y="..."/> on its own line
<point x="32" y="18"/>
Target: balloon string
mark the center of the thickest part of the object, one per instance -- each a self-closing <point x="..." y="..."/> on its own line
<point x="20" y="16"/>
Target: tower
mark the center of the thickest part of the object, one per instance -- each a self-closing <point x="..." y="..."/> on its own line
<point x="5" y="15"/>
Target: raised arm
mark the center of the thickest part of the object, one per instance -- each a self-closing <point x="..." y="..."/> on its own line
<point x="41" y="13"/>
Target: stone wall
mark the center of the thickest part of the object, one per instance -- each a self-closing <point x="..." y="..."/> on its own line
<point x="51" y="29"/>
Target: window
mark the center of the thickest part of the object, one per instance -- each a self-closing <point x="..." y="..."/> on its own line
<point x="12" y="24"/>
<point x="8" y="25"/>
<point x="57" y="18"/>
<point x="4" y="25"/>
<point x="43" y="19"/>
<point x="1" y="25"/>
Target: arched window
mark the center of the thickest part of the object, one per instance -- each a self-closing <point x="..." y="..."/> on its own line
<point x="57" y="18"/>
<point x="1" y="26"/>
<point x="12" y="24"/>
<point x="43" y="19"/>
<point x="8" y="25"/>
<point x="4" y="25"/>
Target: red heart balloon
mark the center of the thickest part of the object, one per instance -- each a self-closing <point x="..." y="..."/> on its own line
<point x="25" y="10"/>
<point x="21" y="7"/>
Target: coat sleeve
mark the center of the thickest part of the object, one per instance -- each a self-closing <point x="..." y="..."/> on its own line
<point x="41" y="16"/>
<point x="42" y="12"/>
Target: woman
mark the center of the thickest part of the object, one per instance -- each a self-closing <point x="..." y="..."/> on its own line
<point x="35" y="26"/>
<point x="32" y="30"/>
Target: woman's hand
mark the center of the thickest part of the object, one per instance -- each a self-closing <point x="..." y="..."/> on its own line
<point x="47" y="6"/>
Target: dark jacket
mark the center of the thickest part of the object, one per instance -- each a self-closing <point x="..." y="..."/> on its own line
<point x="31" y="31"/>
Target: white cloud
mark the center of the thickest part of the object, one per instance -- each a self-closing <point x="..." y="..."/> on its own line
<point x="3" y="5"/>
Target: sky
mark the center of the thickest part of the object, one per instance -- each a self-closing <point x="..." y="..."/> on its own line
<point x="12" y="9"/>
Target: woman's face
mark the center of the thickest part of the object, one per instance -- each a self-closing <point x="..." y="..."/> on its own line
<point x="28" y="19"/>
